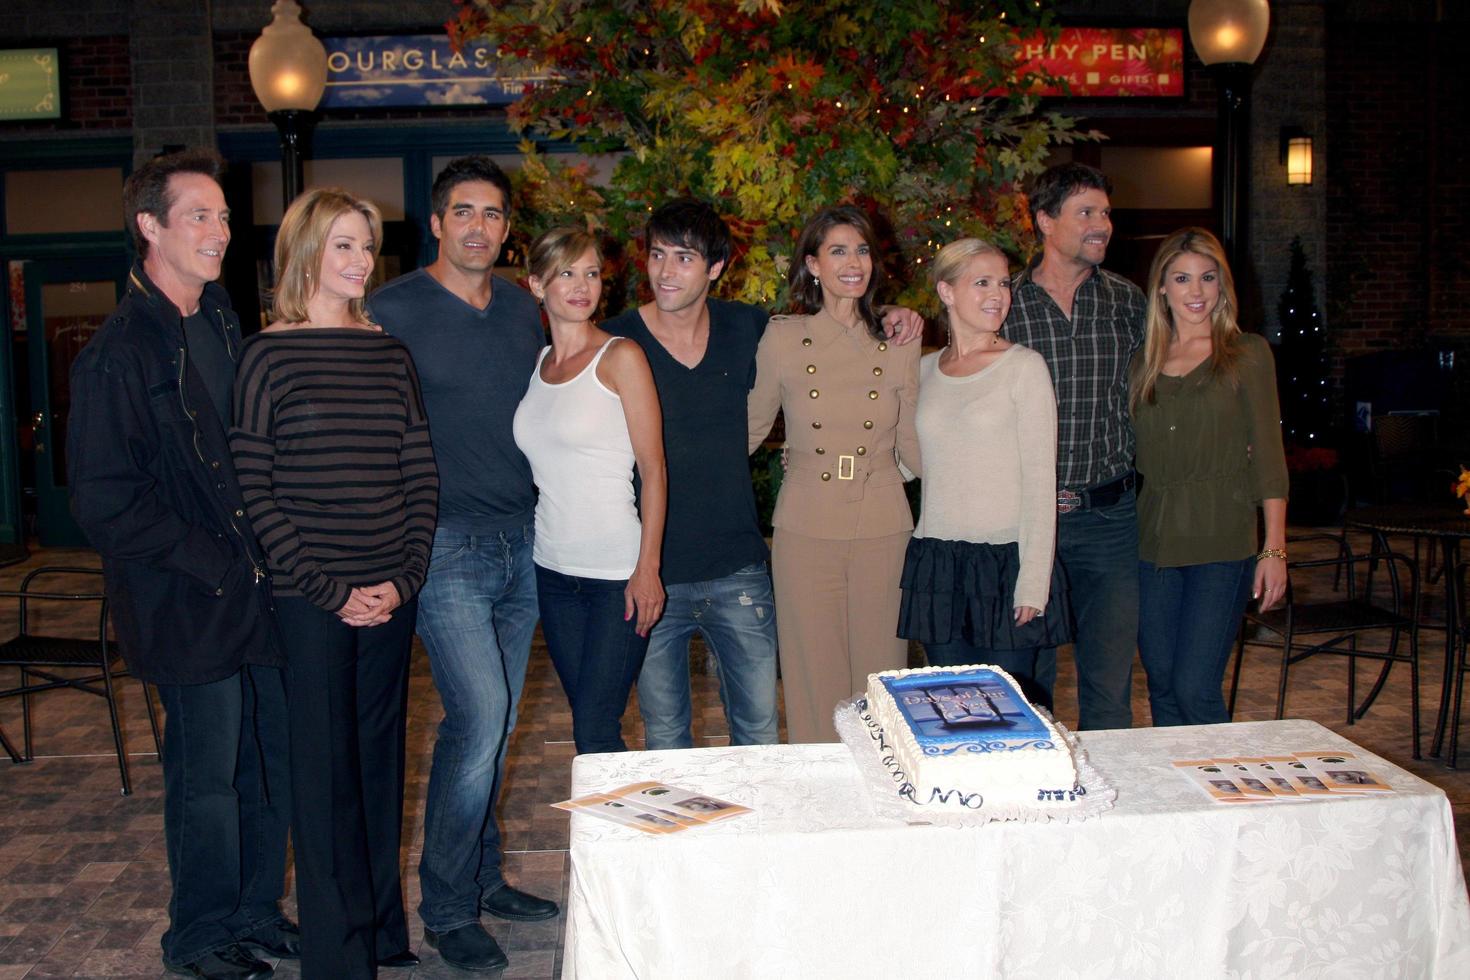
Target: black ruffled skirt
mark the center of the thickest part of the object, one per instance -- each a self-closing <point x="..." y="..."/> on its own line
<point x="959" y="590"/>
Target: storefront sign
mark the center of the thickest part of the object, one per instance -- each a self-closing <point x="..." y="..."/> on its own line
<point x="29" y="84"/>
<point x="1107" y="61"/>
<point x="423" y="70"/>
<point x="420" y="70"/>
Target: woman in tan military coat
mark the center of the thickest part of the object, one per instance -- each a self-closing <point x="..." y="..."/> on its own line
<point x="842" y="519"/>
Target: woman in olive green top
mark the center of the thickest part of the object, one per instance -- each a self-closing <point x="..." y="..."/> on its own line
<point x="1208" y="430"/>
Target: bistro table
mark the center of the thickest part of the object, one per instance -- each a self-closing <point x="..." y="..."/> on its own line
<point x="1442" y="526"/>
<point x="813" y="884"/>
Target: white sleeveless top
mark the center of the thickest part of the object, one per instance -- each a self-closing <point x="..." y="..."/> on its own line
<point x="575" y="436"/>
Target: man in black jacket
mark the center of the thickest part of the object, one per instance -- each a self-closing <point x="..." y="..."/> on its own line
<point x="153" y="487"/>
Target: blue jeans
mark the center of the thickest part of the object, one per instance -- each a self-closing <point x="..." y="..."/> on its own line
<point x="1098" y="549"/>
<point x="1034" y="669"/>
<point x="1188" y="620"/>
<point x="736" y="615"/>
<point x="226" y="807"/>
<point x="477" y="613"/>
<point x="596" y="653"/>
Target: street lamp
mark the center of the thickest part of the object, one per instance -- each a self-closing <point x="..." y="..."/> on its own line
<point x="288" y="70"/>
<point x="1228" y="36"/>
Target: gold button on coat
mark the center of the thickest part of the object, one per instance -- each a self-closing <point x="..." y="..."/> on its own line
<point x="882" y="345"/>
<point x="826" y="477"/>
<point x="863" y="496"/>
<point x="877" y="371"/>
<point x="814" y="392"/>
<point x="821" y="451"/>
<point x="811" y="369"/>
<point x="862" y="450"/>
<point x="806" y="341"/>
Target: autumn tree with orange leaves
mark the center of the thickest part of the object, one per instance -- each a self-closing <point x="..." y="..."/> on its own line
<point x="915" y="110"/>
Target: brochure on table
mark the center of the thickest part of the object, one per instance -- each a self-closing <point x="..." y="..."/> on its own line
<point x="1280" y="778"/>
<point x="654" y="808"/>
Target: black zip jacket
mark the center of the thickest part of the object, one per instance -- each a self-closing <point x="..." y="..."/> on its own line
<point x="154" y="489"/>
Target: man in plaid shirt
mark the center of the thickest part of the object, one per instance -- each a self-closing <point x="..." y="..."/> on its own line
<point x="1088" y="323"/>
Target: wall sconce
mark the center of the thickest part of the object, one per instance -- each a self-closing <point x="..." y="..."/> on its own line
<point x="1296" y="156"/>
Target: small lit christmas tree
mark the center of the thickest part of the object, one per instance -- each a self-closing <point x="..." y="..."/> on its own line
<point x="1301" y="360"/>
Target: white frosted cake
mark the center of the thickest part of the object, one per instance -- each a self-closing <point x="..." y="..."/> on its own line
<point x="968" y="735"/>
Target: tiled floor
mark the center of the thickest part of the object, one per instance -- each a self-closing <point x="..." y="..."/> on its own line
<point x="83" y="885"/>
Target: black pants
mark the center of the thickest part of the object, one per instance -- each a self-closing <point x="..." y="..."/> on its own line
<point x="347" y="688"/>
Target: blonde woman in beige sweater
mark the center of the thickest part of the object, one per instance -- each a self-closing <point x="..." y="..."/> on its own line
<point x="979" y="582"/>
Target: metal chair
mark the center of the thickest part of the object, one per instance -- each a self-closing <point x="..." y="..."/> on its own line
<point x="1402" y="457"/>
<point x="1457" y="621"/>
<point x="39" y="656"/>
<point x="1339" y="541"/>
<point x="1334" y="626"/>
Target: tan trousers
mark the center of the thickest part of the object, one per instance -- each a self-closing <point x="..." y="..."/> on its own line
<point x="837" y="620"/>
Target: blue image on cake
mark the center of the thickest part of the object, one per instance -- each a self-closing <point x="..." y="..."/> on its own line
<point x="976" y="706"/>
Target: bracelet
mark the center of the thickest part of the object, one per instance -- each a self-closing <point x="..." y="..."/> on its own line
<point x="1272" y="553"/>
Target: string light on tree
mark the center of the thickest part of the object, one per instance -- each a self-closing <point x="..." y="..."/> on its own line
<point x="1302" y="368"/>
<point x="830" y="109"/>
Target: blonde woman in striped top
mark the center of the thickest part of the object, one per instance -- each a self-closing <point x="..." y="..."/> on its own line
<point x="339" y="482"/>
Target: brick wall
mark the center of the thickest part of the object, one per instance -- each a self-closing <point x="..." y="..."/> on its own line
<point x="1449" y="203"/>
<point x="97" y="86"/>
<point x="1289" y="89"/>
<point x="173" y="75"/>
<point x="22" y="21"/>
<point x="234" y="100"/>
<point x="1397" y="201"/>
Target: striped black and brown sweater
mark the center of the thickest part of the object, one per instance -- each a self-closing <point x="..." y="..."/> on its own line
<point x="333" y="454"/>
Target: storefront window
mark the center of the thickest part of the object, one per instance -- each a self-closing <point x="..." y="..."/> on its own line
<point x="56" y="202"/>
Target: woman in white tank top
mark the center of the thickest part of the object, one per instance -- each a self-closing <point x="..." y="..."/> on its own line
<point x="590" y="416"/>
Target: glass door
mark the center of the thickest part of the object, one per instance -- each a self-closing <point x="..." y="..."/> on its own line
<point x="67" y="300"/>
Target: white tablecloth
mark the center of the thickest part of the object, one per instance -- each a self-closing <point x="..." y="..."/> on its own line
<point x="1167" y="884"/>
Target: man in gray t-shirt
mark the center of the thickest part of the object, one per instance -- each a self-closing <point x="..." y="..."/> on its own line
<point x="474" y="338"/>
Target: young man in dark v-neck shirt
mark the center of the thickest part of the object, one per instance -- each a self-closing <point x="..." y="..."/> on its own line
<point x="715" y="559"/>
<point x="702" y="352"/>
